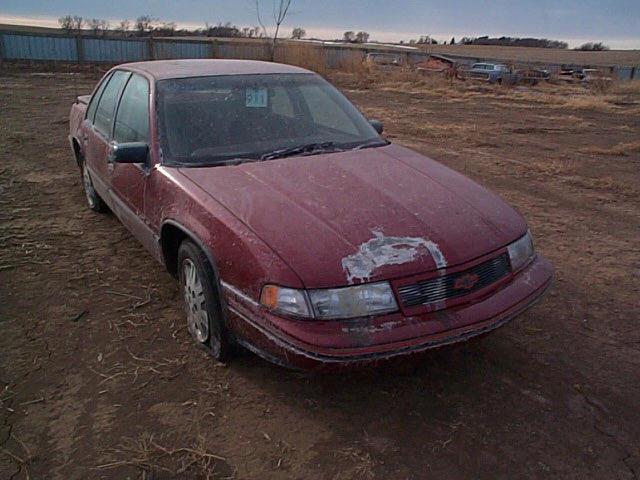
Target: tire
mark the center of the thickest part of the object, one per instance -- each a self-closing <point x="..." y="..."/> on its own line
<point x="202" y="303"/>
<point x="93" y="199"/>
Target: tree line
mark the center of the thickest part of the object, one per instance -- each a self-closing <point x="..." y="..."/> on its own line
<point x="146" y="25"/>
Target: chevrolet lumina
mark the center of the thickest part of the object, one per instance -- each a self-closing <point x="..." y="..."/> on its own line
<point x="295" y="229"/>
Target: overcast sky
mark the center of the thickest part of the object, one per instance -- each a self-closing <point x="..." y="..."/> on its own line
<point x="616" y="22"/>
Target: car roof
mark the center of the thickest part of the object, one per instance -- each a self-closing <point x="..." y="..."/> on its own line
<point x="164" y="69"/>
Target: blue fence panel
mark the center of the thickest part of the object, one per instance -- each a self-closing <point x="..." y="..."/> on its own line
<point x="176" y="49"/>
<point x="107" y="50"/>
<point x="627" y="73"/>
<point x="36" y="47"/>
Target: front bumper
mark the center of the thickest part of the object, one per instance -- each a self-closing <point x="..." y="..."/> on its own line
<point x="330" y="345"/>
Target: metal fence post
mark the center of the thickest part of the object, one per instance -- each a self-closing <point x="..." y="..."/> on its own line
<point x="80" y="48"/>
<point x="152" y="53"/>
<point x="2" y="52"/>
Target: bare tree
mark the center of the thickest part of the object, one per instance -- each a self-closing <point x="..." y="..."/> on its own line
<point x="97" y="25"/>
<point x="77" y="23"/>
<point x="280" y="10"/>
<point x="593" y="47"/>
<point x="145" y="23"/>
<point x="279" y="15"/>
<point x="66" y="23"/>
<point x="167" y="28"/>
<point x="298" y="33"/>
<point x="94" y="24"/>
<point x="124" y="26"/>
<point x="264" y="29"/>
<point x="349" y="36"/>
<point x="362" y="37"/>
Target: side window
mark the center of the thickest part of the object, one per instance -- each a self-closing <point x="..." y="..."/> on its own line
<point x="107" y="104"/>
<point x="325" y="111"/>
<point x="132" y="119"/>
<point x="91" y="110"/>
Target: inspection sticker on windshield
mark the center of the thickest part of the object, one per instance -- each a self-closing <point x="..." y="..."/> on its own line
<point x="256" y="97"/>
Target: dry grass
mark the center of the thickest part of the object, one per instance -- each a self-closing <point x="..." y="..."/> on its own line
<point x="154" y="459"/>
<point x="305" y="56"/>
<point x="569" y="98"/>
<point x="361" y="465"/>
<point x="602" y="97"/>
<point x="315" y="59"/>
<point x="631" y="87"/>
<point x="617" y="150"/>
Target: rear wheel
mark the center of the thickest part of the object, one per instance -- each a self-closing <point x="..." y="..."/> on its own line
<point x="202" y="304"/>
<point x="93" y="199"/>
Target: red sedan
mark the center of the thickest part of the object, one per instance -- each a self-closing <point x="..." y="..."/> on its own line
<point x="294" y="228"/>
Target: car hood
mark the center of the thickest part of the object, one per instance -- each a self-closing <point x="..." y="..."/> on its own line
<point x="362" y="215"/>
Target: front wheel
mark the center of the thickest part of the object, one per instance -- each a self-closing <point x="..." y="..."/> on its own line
<point x="203" y="307"/>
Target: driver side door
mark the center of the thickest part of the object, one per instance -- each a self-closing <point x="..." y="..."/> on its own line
<point x="128" y="181"/>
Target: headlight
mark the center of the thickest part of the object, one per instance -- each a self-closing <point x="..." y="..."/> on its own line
<point x="333" y="303"/>
<point x="350" y="302"/>
<point x="520" y="252"/>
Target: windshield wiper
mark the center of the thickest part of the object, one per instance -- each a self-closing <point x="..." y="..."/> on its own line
<point x="216" y="163"/>
<point x="371" y="144"/>
<point x="309" y="148"/>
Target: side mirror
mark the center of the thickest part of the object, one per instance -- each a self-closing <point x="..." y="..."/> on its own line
<point x="377" y="125"/>
<point x="132" y="152"/>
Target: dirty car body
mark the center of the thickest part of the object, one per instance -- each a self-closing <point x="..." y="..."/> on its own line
<point x="325" y="245"/>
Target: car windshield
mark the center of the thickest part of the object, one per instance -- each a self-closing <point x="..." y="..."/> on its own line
<point x="216" y="120"/>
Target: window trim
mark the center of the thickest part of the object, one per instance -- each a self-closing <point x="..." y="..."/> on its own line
<point x="109" y="135"/>
<point x="97" y="98"/>
<point x="119" y="101"/>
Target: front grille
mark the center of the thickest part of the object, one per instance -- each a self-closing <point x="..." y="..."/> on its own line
<point x="455" y="284"/>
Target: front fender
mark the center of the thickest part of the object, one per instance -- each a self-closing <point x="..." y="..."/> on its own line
<point x="242" y="260"/>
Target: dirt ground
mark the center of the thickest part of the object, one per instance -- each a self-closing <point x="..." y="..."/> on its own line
<point x="99" y="379"/>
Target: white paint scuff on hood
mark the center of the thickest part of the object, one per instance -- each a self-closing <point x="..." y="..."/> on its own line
<point x="382" y="250"/>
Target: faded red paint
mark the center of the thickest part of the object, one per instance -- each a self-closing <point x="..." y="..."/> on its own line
<point x="292" y="221"/>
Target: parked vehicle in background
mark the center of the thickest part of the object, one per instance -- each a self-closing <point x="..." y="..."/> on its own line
<point x="293" y="227"/>
<point x="490" y="72"/>
<point x="383" y="60"/>
<point x="532" y="76"/>
<point x="584" y="75"/>
<point x="593" y="75"/>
